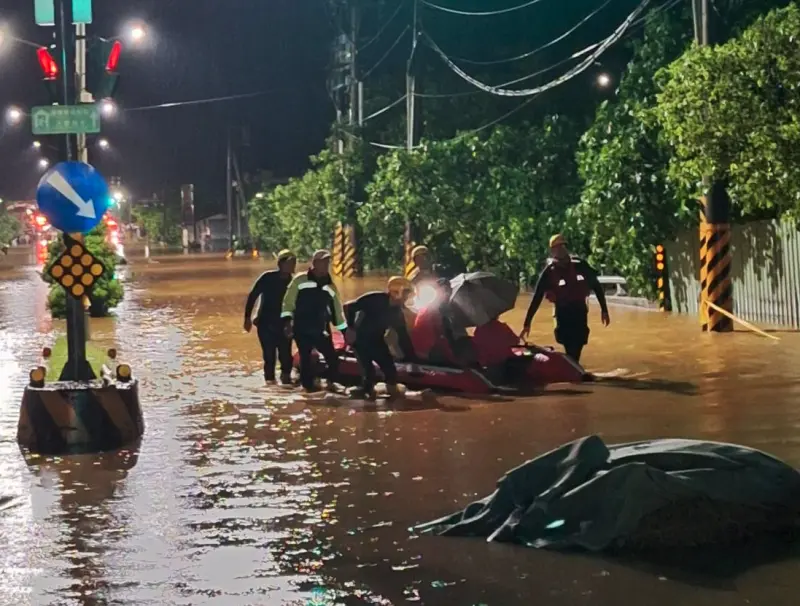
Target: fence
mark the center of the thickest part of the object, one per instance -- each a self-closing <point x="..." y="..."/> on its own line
<point x="765" y="272"/>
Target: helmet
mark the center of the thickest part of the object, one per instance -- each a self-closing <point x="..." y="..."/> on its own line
<point x="558" y="240"/>
<point x="419" y="250"/>
<point x="397" y="284"/>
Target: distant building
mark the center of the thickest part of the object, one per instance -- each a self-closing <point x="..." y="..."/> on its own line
<point x="212" y="232"/>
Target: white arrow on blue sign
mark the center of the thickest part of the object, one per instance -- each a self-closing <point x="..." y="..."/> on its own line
<point x="73" y="196"/>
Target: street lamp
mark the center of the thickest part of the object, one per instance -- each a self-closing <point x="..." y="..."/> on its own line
<point x="14" y="115"/>
<point x="603" y="80"/>
<point x="108" y="108"/>
<point x="137" y="33"/>
<point x="103" y="144"/>
<point x="44" y="163"/>
<point x="37" y="145"/>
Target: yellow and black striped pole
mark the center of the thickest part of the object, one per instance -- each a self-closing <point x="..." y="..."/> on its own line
<point x="337" y="264"/>
<point x="409" y="243"/>
<point x="662" y="280"/>
<point x="715" y="261"/>
<point x="350" y="268"/>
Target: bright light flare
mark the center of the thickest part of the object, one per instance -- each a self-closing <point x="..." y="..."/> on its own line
<point x="44" y="163"/>
<point x="14" y="115"/>
<point x="137" y="33"/>
<point x="427" y="295"/>
<point x="37" y="145"/>
<point x="604" y="80"/>
<point x="107" y="108"/>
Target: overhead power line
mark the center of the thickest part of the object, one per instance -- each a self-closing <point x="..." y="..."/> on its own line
<point x="382" y="28"/>
<point x="501" y="11"/>
<point x="385" y="109"/>
<point x="578" y="69"/>
<point x="385" y="56"/>
<point x="638" y="23"/>
<point x="566" y="34"/>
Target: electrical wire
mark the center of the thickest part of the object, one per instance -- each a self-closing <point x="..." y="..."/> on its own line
<point x="386" y="109"/>
<point x="566" y="34"/>
<point x="202" y="101"/>
<point x="578" y="69"/>
<point x="382" y="29"/>
<point x="639" y="22"/>
<point x="501" y="11"/>
<point x="386" y="54"/>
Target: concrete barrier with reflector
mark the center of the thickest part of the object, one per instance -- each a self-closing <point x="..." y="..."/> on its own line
<point x="72" y="418"/>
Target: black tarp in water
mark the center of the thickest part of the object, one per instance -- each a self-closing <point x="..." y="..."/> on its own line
<point x="676" y="492"/>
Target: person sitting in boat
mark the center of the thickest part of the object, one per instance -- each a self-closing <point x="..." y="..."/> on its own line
<point x="494" y="344"/>
<point x="369" y="317"/>
<point x="433" y="336"/>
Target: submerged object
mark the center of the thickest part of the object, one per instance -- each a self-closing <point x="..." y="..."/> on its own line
<point x="641" y="495"/>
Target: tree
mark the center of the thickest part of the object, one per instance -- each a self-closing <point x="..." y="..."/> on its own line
<point x="628" y="203"/>
<point x="107" y="292"/>
<point x="9" y="226"/>
<point x="732" y="112"/>
<point x="481" y="201"/>
<point x="303" y="213"/>
<point x="160" y="224"/>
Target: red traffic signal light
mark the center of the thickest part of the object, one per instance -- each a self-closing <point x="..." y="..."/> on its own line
<point x="47" y="64"/>
<point x="113" y="57"/>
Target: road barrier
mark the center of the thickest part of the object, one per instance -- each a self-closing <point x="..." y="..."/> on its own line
<point x="80" y="417"/>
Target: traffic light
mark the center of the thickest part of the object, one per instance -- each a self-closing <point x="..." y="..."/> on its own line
<point x="102" y="65"/>
<point x="47" y="64"/>
<point x="50" y="72"/>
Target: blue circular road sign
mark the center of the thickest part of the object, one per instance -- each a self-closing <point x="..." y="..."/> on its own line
<point x="73" y="196"/>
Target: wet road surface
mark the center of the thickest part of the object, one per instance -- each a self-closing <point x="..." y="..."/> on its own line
<point x="243" y="496"/>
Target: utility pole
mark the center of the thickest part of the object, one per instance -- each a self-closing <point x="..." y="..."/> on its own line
<point x="241" y="203"/>
<point x="411" y="86"/>
<point x="716" y="289"/>
<point x="228" y="191"/>
<point x="354" y="84"/>
<point x="76" y="368"/>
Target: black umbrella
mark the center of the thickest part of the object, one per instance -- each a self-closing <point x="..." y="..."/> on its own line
<point x="480" y="297"/>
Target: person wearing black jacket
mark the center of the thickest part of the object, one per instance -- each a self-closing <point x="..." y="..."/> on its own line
<point x="311" y="302"/>
<point x="567" y="281"/>
<point x="369" y="317"/>
<point x="270" y="288"/>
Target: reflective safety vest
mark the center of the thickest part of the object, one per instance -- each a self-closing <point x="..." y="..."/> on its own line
<point x="565" y="283"/>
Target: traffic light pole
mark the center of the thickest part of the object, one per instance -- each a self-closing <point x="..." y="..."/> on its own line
<point x="80" y="70"/>
<point x="76" y="368"/>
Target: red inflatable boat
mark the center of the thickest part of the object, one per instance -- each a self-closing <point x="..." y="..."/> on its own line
<point x="544" y="368"/>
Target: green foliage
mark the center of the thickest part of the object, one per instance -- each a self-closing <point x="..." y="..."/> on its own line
<point x="302" y="214"/>
<point x="482" y="202"/>
<point x="9" y="226"/>
<point x="628" y="203"/>
<point x="731" y="112"/>
<point x="107" y="291"/>
<point x="152" y="220"/>
<point x="58" y="358"/>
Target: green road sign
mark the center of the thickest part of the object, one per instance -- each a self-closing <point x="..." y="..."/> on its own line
<point x="65" y="119"/>
<point x="45" y="12"/>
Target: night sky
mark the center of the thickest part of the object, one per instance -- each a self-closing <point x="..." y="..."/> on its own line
<point x="200" y="49"/>
<point x="197" y="49"/>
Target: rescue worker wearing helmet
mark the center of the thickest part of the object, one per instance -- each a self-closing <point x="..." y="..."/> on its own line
<point x="567" y="281"/>
<point x="370" y="317"/>
<point x="424" y="270"/>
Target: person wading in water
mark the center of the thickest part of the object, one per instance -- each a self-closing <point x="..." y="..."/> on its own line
<point x="567" y="281"/>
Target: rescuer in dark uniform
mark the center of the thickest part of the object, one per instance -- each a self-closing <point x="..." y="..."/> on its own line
<point x="270" y="288"/>
<point x="369" y="317"/>
<point x="311" y="301"/>
<point x="567" y="282"/>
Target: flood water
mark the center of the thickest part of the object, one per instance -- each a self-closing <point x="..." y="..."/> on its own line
<point x="239" y="495"/>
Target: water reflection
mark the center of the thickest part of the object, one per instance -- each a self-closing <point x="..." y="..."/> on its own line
<point x="242" y="495"/>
